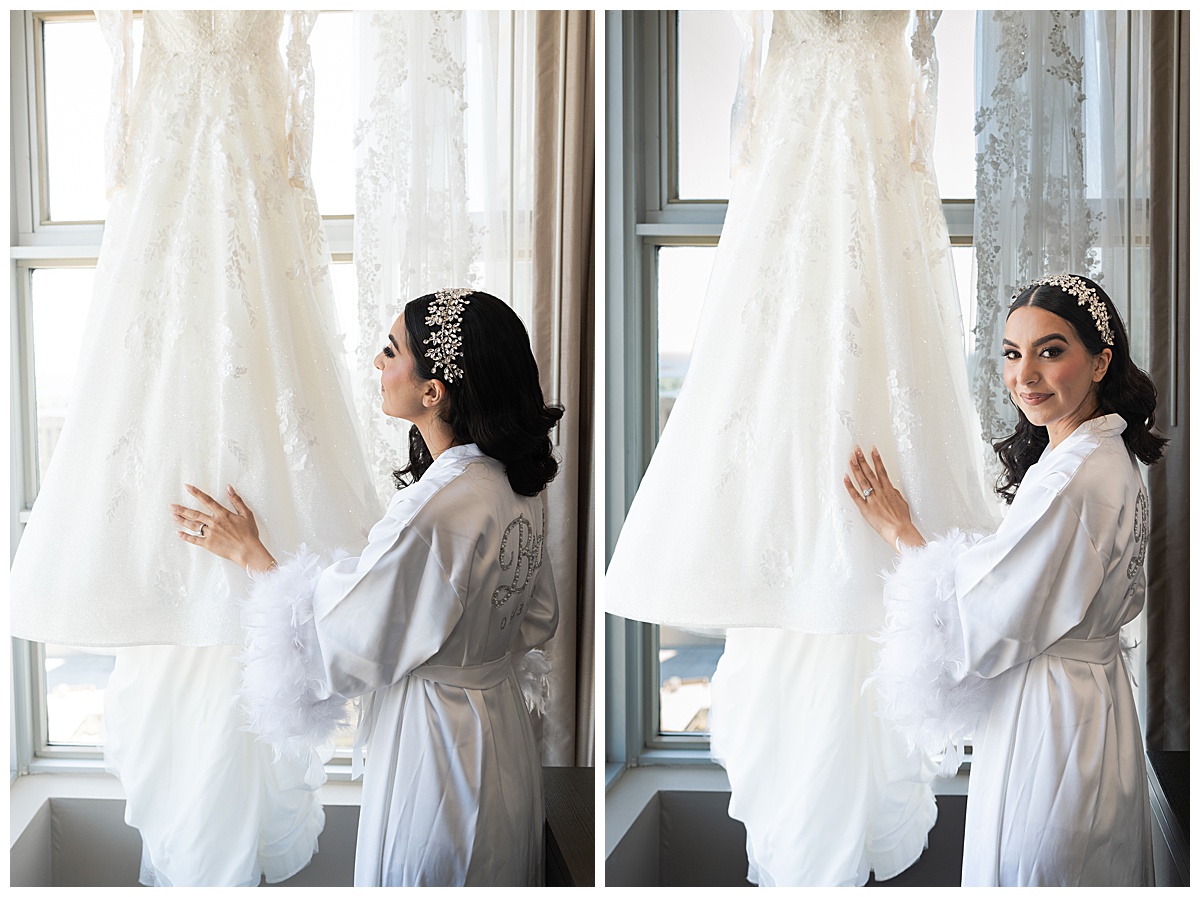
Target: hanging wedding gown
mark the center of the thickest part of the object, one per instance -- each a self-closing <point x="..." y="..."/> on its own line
<point x="831" y="320"/>
<point x="209" y="358"/>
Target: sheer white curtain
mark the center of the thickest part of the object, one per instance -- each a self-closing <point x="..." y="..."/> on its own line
<point x="447" y="161"/>
<point x="443" y="177"/>
<point x="1047" y="197"/>
<point x="500" y="77"/>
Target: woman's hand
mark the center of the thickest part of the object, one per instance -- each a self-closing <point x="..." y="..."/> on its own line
<point x="879" y="502"/>
<point x="230" y="534"/>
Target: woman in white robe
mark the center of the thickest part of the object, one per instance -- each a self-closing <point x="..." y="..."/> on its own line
<point x="1028" y="619"/>
<point x="433" y="621"/>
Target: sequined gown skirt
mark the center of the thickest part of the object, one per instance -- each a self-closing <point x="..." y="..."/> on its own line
<point x="210" y="358"/>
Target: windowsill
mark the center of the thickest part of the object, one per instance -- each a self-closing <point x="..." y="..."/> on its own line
<point x="50" y="779"/>
<point x="631" y="790"/>
<point x="676" y="757"/>
<point x="630" y="794"/>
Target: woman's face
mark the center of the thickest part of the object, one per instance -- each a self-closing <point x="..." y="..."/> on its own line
<point x="401" y="387"/>
<point x="1049" y="373"/>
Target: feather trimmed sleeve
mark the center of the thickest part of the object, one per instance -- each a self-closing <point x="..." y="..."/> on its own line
<point x="921" y="678"/>
<point x="285" y="689"/>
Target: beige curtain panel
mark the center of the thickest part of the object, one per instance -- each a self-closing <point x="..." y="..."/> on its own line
<point x="1168" y="629"/>
<point x="564" y="260"/>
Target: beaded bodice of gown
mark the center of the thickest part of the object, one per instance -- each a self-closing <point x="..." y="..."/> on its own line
<point x="199" y="36"/>
<point x="211" y="355"/>
<point x="801" y="33"/>
<point x="203" y="62"/>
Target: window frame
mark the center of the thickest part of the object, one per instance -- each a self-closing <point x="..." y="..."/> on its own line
<point x="644" y="212"/>
<point x="37" y="241"/>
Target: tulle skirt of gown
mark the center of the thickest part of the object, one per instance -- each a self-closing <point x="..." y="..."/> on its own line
<point x="831" y="794"/>
<point x="213" y="805"/>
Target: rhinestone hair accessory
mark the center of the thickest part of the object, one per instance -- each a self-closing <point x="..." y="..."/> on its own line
<point x="1087" y="295"/>
<point x="445" y="342"/>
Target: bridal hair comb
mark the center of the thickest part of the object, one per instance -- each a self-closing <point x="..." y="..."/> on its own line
<point x="1087" y="295"/>
<point x="445" y="314"/>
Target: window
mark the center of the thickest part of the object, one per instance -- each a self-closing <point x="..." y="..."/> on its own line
<point x="62" y="72"/>
<point x="686" y="187"/>
<point x="671" y="81"/>
<point x="59" y="107"/>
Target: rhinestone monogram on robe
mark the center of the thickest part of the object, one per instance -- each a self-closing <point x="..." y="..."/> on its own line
<point x="1141" y="534"/>
<point x="520" y="551"/>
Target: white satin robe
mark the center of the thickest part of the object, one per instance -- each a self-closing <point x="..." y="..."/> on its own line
<point x="452" y="586"/>
<point x="1058" y="792"/>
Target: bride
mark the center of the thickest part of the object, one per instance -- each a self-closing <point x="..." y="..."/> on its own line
<point x="1030" y="616"/>
<point x="432" y="621"/>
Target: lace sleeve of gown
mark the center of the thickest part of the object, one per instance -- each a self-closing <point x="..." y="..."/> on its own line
<point x="752" y="25"/>
<point x="301" y="94"/>
<point x="920" y="677"/>
<point x="117" y="27"/>
<point x="284" y="686"/>
<point x="923" y="106"/>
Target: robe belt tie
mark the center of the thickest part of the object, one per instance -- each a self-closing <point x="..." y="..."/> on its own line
<point x="1088" y="650"/>
<point x="480" y="676"/>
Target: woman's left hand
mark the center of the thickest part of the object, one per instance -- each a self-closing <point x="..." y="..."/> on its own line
<point x="230" y="534"/>
<point x="880" y="503"/>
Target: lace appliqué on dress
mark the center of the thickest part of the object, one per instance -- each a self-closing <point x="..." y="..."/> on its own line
<point x="169" y="588"/>
<point x="776" y="568"/>
<point x="294" y="427"/>
<point x="904" y="402"/>
<point x="130" y="455"/>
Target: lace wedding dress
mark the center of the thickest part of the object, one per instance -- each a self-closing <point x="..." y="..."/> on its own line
<point x="210" y="358"/>
<point x="831" y="320"/>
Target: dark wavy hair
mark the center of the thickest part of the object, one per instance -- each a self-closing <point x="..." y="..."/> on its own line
<point x="1125" y="389"/>
<point x="497" y="403"/>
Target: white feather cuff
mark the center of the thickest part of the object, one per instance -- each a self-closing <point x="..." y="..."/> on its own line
<point x="284" y="672"/>
<point x="920" y="678"/>
<point x="533" y="674"/>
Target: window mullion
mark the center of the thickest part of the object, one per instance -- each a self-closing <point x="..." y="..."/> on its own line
<point x="668" y="108"/>
<point x="23" y="472"/>
<point x="23" y="119"/>
<point x="25" y="705"/>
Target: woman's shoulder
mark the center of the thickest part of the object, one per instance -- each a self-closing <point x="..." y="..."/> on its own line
<point x="469" y="485"/>
<point x="1092" y="469"/>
